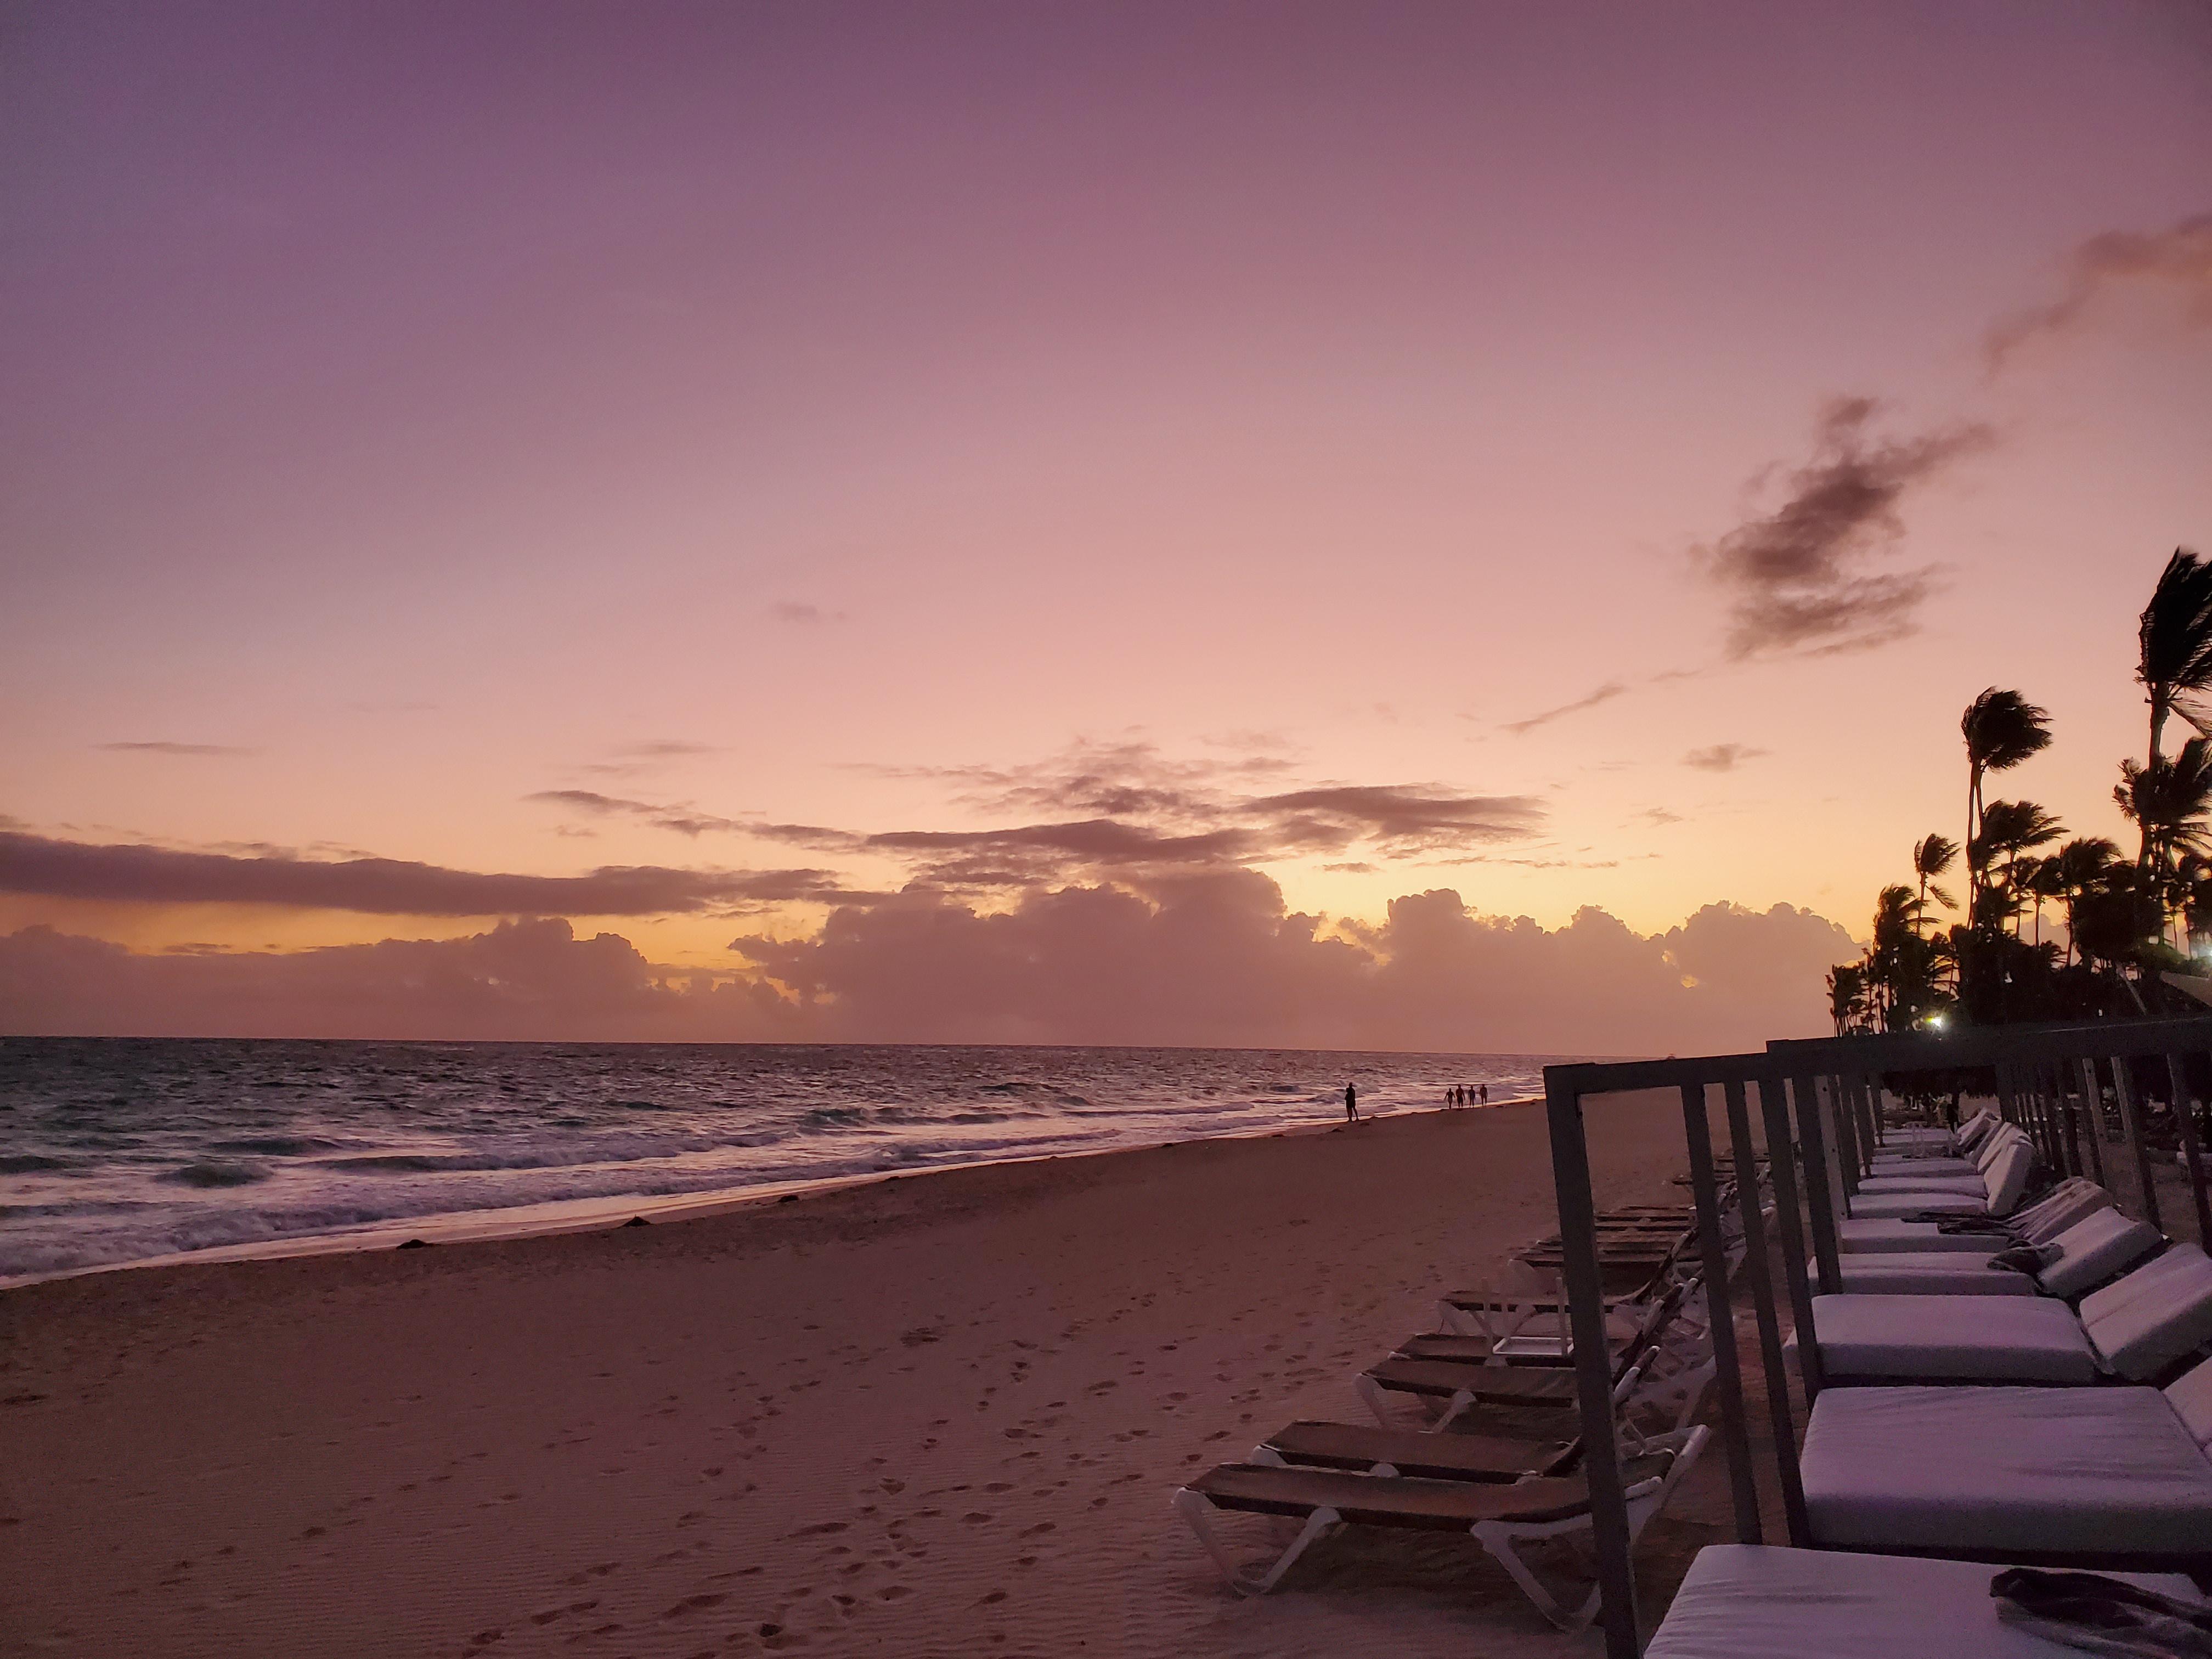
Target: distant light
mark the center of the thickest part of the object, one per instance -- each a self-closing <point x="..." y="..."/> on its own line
<point x="1936" y="1022"/>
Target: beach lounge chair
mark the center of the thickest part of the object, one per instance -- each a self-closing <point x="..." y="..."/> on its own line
<point x="2034" y="1223"/>
<point x="1997" y="1190"/>
<point x="2100" y="1245"/>
<point x="1502" y="1518"/>
<point x="2134" y="1329"/>
<point x="1966" y="1174"/>
<point x="1763" y="1602"/>
<point x="1367" y="1450"/>
<point x="2085" y="1477"/>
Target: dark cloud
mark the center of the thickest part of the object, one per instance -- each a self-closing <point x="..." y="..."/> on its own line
<point x="45" y="867"/>
<point x="1605" y="692"/>
<point x="1658" y="816"/>
<point x="1797" y="574"/>
<point x="175" y="749"/>
<point x="1401" y="820"/>
<point x="1721" y="757"/>
<point x="1140" y="812"/>
<point x="2177" y="259"/>
<point x="1119" y="780"/>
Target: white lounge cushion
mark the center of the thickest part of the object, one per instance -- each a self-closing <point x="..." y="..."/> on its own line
<point x="1885" y="1167"/>
<point x="2144" y="1321"/>
<point x="2190" y="1396"/>
<point x="1888" y="1207"/>
<point x="1762" y="1601"/>
<point x="1871" y="1237"/>
<point x="2007" y="1176"/>
<point x="2059" y="1209"/>
<point x="1952" y="1338"/>
<point x="1971" y="1182"/>
<point x="1930" y="1273"/>
<point x="2102" y="1244"/>
<point x="2091" y="1471"/>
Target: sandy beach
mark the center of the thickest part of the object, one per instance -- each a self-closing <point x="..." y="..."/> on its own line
<point x="938" y="1415"/>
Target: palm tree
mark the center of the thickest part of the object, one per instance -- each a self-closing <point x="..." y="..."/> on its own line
<point x="1847" y="990"/>
<point x="2001" y="729"/>
<point x="1932" y="857"/>
<point x="2009" y="828"/>
<point x="2083" y="866"/>
<point x="2170" y="801"/>
<point x="2175" y="666"/>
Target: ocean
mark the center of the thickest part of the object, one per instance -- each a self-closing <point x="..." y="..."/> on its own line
<point x="116" y="1151"/>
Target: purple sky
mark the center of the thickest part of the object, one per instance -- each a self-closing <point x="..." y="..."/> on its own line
<point x="796" y="454"/>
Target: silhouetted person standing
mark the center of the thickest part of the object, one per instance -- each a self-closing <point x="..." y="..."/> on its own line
<point x="1486" y="1093"/>
<point x="1350" y="1103"/>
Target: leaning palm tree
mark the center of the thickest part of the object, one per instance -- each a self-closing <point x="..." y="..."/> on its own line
<point x="2175" y="635"/>
<point x="2083" y="866"/>
<point x="2170" y="801"/>
<point x="1932" y="857"/>
<point x="1847" y="990"/>
<point x="2009" y="829"/>
<point x="2001" y="729"/>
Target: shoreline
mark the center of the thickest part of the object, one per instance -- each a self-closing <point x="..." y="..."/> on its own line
<point x="907" y="1418"/>
<point x="607" y="1212"/>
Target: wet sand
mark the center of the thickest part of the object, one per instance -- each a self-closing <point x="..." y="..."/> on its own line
<point x="942" y="1414"/>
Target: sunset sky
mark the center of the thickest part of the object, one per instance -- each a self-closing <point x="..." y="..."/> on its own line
<point x="912" y="516"/>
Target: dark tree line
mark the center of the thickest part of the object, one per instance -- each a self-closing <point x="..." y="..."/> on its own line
<point x="2128" y="920"/>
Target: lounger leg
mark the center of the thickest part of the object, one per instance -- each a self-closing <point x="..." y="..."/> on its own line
<point x="1372" y="1393"/>
<point x="1499" y="1539"/>
<point x="1195" y="1508"/>
<point x="1460" y="1402"/>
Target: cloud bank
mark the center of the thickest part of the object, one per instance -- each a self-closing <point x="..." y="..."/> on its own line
<point x="1212" y="959"/>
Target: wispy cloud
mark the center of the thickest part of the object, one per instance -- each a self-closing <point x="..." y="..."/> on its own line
<point x="1126" y="810"/>
<point x="1605" y="692"/>
<point x="175" y="749"/>
<point x="1721" y="757"/>
<point x="2177" y="259"/>
<point x="1797" y="574"/>
<point x="803" y="614"/>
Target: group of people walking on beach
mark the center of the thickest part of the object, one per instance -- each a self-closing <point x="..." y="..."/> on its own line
<point x="1458" y="1095"/>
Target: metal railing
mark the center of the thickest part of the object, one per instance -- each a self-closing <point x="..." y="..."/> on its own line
<point x="1818" y="1120"/>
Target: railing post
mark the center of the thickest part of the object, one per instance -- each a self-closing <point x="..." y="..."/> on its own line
<point x="1759" y="1270"/>
<point x="1789" y="1214"/>
<point x="1593" y="1366"/>
<point x="2184" y="1124"/>
<point x="1720" y="1308"/>
<point x="1811" y="1133"/>
<point x="2093" y="1113"/>
<point x="2124" y="1091"/>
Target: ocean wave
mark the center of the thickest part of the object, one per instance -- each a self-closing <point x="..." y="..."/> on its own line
<point x="282" y="1146"/>
<point x="34" y="1163"/>
<point x="217" y="1172"/>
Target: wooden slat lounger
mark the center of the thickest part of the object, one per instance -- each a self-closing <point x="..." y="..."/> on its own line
<point x="1365" y="1449"/>
<point x="1498" y="1517"/>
